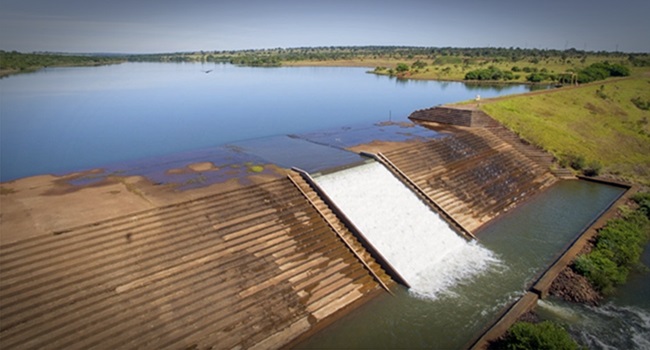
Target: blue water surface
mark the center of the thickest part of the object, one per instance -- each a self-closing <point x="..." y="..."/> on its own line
<point x="59" y="120"/>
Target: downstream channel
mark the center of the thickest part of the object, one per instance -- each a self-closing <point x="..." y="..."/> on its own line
<point x="621" y="322"/>
<point x="524" y="241"/>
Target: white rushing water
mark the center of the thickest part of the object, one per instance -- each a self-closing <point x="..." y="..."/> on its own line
<point x="423" y="249"/>
<point x="609" y="326"/>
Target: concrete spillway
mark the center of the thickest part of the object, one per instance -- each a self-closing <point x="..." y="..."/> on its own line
<point x="418" y="244"/>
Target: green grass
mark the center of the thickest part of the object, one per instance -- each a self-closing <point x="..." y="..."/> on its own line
<point x="598" y="122"/>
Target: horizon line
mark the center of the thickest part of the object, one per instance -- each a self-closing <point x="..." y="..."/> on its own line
<point x="116" y="53"/>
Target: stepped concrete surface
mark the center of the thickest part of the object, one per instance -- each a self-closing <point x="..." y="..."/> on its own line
<point x="476" y="172"/>
<point x="256" y="261"/>
<point x="252" y="266"/>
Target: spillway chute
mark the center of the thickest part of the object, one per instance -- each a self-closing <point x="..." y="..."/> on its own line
<point x="411" y="237"/>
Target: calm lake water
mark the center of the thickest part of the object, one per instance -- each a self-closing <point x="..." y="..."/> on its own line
<point x="59" y="120"/>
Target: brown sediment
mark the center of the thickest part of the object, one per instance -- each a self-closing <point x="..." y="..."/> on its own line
<point x="573" y="287"/>
<point x="194" y="168"/>
<point x="203" y="166"/>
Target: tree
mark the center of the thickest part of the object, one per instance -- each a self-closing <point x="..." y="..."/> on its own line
<point x="402" y="67"/>
<point x="418" y="64"/>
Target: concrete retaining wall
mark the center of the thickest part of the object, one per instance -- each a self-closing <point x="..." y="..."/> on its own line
<point x="470" y="117"/>
<point x="540" y="288"/>
<point x="543" y="284"/>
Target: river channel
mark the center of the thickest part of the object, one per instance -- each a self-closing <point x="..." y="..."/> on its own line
<point x="525" y="241"/>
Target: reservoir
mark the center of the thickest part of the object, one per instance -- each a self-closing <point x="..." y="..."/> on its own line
<point x="59" y="120"/>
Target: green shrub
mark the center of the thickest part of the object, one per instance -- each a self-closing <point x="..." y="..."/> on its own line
<point x="592" y="169"/>
<point x="641" y="104"/>
<point x="618" y="249"/>
<point x="576" y="162"/>
<point x="418" y="64"/>
<point x="544" y="335"/>
<point x="402" y="67"/>
<point x="618" y="70"/>
<point x="600" y="270"/>
<point x="643" y="200"/>
<point x="602" y="70"/>
<point x="535" y="77"/>
<point x="490" y="73"/>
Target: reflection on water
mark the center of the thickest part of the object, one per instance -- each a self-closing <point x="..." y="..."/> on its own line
<point x="62" y="119"/>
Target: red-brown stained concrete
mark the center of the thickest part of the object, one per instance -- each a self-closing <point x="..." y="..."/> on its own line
<point x="246" y="267"/>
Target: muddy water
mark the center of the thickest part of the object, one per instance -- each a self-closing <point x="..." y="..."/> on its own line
<point x="525" y="240"/>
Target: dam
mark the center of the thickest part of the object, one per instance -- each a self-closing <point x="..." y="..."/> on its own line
<point x="268" y="262"/>
<point x="422" y="247"/>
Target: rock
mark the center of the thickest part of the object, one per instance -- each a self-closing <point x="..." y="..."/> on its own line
<point x="573" y="287"/>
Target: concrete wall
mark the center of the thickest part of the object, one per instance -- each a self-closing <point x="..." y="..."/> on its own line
<point x="471" y="117"/>
<point x="540" y="288"/>
<point x="444" y="115"/>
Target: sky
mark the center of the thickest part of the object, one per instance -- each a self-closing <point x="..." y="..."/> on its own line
<point x="154" y="26"/>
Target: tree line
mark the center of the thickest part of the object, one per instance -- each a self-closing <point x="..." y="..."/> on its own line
<point x="276" y="56"/>
<point x="16" y="61"/>
<point x="440" y="54"/>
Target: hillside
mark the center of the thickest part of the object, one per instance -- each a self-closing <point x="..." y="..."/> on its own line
<point x="604" y="123"/>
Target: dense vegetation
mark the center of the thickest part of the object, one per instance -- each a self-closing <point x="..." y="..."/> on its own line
<point x="491" y="73"/>
<point x="16" y="61"/>
<point x="439" y="55"/>
<point x="443" y="63"/>
<point x="594" y="128"/>
<point x="593" y="72"/>
<point x="534" y="336"/>
<point x="618" y="248"/>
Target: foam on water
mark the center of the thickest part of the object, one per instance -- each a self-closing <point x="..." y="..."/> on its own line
<point x="423" y="249"/>
<point x="609" y="326"/>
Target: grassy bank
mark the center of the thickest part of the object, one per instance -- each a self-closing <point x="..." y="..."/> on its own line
<point x="603" y="124"/>
<point x="15" y="62"/>
<point x="545" y="70"/>
<point x="618" y="248"/>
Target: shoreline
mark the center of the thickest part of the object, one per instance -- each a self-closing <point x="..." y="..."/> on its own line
<point x="343" y="64"/>
<point x="5" y="73"/>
